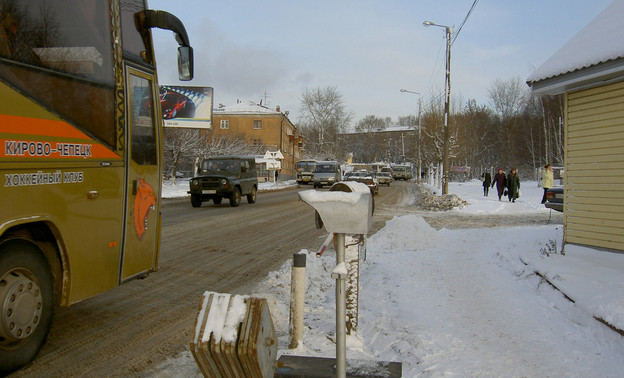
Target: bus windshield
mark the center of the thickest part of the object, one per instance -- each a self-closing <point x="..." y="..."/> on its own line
<point x="70" y="43"/>
<point x="67" y="41"/>
<point x="62" y="36"/>
<point x="306" y="166"/>
<point x="325" y="168"/>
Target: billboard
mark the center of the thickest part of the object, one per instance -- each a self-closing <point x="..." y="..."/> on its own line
<point x="186" y="106"/>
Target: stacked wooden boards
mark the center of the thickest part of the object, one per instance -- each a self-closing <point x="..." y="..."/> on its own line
<point x="234" y="337"/>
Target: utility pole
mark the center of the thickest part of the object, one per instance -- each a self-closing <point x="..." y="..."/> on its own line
<point x="447" y="168"/>
<point x="419" y="139"/>
<point x="445" y="159"/>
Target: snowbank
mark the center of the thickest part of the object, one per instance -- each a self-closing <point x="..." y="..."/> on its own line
<point x="465" y="302"/>
<point x="181" y="187"/>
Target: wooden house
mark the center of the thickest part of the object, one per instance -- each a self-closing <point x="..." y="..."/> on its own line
<point x="589" y="71"/>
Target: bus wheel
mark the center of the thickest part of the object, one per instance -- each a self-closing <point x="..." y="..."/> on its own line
<point x="196" y="200"/>
<point x="26" y="303"/>
<point x="235" y="198"/>
<point x="251" y="197"/>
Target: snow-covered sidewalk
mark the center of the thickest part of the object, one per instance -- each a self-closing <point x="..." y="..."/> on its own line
<point x="465" y="302"/>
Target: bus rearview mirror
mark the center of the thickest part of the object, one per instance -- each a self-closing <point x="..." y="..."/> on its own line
<point x="185" y="63"/>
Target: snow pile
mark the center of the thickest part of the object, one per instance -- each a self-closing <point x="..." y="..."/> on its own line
<point x="181" y="187"/>
<point x="426" y="200"/>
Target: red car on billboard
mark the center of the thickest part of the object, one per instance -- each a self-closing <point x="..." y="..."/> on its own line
<point x="173" y="103"/>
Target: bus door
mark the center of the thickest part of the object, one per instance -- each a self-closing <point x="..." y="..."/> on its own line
<point x="140" y="251"/>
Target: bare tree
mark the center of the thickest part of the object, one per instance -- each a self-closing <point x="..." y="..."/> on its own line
<point x="367" y="146"/>
<point x="508" y="97"/>
<point x="552" y="123"/>
<point x="227" y="145"/>
<point x="324" y="117"/>
<point x="510" y="100"/>
<point x="372" y="123"/>
<point x="475" y="134"/>
<point x="408" y="120"/>
<point x="432" y="132"/>
<point x="184" y="147"/>
<point x="180" y="144"/>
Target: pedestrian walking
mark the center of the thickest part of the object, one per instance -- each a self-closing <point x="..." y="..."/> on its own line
<point x="499" y="180"/>
<point x="487" y="181"/>
<point x="513" y="185"/>
<point x="548" y="180"/>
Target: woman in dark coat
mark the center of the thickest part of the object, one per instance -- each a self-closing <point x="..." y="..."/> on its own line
<point x="487" y="181"/>
<point x="513" y="185"/>
<point x="499" y="180"/>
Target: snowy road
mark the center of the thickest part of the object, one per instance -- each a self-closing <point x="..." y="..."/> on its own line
<point x="128" y="330"/>
<point x="131" y="329"/>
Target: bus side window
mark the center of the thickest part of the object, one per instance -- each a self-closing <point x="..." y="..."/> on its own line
<point x="143" y="134"/>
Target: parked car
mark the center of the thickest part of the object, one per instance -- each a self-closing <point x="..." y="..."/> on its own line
<point x="384" y="178"/>
<point x="365" y="177"/>
<point x="554" y="198"/>
<point x="225" y="177"/>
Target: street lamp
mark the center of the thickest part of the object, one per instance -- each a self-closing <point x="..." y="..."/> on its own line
<point x="445" y="159"/>
<point x="419" y="126"/>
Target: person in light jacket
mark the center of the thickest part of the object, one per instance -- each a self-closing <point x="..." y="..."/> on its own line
<point x="499" y="180"/>
<point x="513" y="185"/>
<point x="548" y="180"/>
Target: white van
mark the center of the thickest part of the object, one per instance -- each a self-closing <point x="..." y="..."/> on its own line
<point x="326" y="173"/>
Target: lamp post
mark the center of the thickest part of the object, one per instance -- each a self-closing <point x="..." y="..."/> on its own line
<point x="445" y="158"/>
<point x="419" y="127"/>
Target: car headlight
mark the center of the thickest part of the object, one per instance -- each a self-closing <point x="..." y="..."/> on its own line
<point x="194" y="182"/>
<point x="224" y="182"/>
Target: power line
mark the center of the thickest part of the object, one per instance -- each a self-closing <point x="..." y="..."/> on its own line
<point x="474" y="4"/>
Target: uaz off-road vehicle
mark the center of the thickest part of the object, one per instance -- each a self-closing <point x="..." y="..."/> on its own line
<point x="225" y="176"/>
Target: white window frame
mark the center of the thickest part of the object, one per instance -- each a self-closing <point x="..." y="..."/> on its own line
<point x="257" y="125"/>
<point x="224" y="124"/>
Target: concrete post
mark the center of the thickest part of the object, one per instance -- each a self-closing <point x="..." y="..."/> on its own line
<point x="297" y="294"/>
<point x="340" y="274"/>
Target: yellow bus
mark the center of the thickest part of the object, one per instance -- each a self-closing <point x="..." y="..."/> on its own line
<point x="80" y="157"/>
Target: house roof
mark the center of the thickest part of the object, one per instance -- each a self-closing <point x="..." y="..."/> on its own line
<point x="245" y="107"/>
<point x="595" y="54"/>
<point x="388" y="129"/>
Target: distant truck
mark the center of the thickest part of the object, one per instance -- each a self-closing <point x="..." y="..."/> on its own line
<point x="228" y="177"/>
<point x="305" y="171"/>
<point x="326" y="173"/>
<point x="401" y="172"/>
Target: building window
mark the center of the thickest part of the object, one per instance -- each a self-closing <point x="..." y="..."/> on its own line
<point x="257" y="142"/>
<point x="225" y="124"/>
<point x="257" y="124"/>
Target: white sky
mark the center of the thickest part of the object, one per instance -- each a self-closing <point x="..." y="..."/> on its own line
<point x="367" y="49"/>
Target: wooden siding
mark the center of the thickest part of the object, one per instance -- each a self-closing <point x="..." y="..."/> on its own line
<point x="594" y="167"/>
